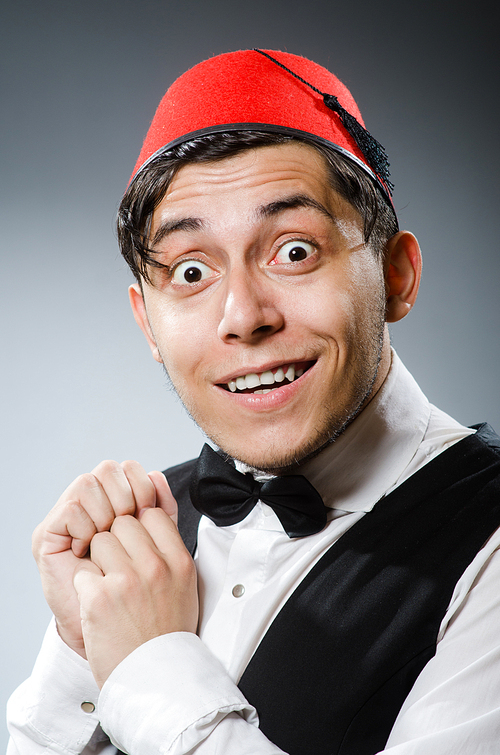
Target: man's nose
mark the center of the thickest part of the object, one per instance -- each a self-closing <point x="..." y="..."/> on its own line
<point x="251" y="309"/>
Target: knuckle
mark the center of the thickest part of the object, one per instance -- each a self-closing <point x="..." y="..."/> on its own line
<point x="130" y="465"/>
<point x="99" y="539"/>
<point x="125" y="582"/>
<point x="74" y="508"/>
<point x="78" y="520"/>
<point x="185" y="567"/>
<point x="86" y="482"/>
<point x="108" y="467"/>
<point x="157" y="571"/>
<point x="121" y="521"/>
<point x="150" y="515"/>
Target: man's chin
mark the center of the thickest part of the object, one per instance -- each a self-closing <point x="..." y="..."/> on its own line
<point x="277" y="460"/>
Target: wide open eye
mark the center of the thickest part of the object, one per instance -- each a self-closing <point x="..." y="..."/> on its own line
<point x="293" y="251"/>
<point x="191" y="271"/>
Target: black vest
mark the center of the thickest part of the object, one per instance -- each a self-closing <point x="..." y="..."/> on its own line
<point x="337" y="663"/>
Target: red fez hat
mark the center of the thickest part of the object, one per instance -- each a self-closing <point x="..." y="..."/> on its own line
<point x="261" y="90"/>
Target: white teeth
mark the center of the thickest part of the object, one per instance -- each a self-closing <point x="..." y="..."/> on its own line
<point x="267" y="378"/>
<point x="252" y="380"/>
<point x="279" y="375"/>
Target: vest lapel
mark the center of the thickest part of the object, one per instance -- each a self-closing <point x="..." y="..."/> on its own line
<point x="179" y="478"/>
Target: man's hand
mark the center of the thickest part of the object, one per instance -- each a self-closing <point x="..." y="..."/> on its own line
<point x="139" y="584"/>
<point x="89" y="506"/>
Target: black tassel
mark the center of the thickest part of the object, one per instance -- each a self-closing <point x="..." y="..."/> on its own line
<point x="373" y="151"/>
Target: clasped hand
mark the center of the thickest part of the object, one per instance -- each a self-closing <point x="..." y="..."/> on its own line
<point x="114" y="569"/>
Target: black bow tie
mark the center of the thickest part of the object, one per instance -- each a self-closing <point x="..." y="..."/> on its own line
<point x="226" y="496"/>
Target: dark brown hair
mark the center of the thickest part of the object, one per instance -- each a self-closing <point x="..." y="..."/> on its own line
<point x="149" y="186"/>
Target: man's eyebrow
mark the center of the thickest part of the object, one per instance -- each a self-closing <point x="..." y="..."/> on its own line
<point x="168" y="227"/>
<point x="292" y="202"/>
<point x="171" y="226"/>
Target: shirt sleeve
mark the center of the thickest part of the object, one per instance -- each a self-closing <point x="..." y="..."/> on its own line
<point x="454" y="706"/>
<point x="55" y="710"/>
<point x="168" y="696"/>
<point x="171" y="695"/>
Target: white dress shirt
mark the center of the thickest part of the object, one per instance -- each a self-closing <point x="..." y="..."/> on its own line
<point x="177" y="693"/>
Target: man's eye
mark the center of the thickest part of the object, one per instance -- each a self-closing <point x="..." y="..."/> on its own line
<point x="191" y="271"/>
<point x="293" y="251"/>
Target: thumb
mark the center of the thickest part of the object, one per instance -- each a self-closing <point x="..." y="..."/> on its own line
<point x="164" y="498"/>
<point x="86" y="578"/>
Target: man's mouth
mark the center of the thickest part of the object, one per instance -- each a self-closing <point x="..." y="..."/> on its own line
<point x="264" y="382"/>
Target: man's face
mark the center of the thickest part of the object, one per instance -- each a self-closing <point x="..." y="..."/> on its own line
<point x="270" y="317"/>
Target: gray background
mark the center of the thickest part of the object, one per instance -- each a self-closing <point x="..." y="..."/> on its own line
<point x="80" y="84"/>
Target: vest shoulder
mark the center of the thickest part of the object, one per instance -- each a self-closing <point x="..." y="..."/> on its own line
<point x="486" y="436"/>
<point x="180" y="472"/>
<point x="179" y="478"/>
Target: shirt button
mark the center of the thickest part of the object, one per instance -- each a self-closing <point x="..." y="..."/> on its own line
<point x="238" y="591"/>
<point x="87" y="707"/>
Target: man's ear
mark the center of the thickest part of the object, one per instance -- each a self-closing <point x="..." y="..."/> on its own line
<point x="402" y="270"/>
<point x="141" y="317"/>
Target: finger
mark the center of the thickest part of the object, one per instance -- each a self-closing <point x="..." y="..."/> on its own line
<point x="87" y="570"/>
<point x="155" y="533"/>
<point x="174" y="554"/>
<point x="164" y="498"/>
<point x="80" y="527"/>
<point x="141" y="485"/>
<point x="90" y="494"/>
<point x="67" y="526"/>
<point x="108" y="553"/>
<point x="130" y="550"/>
<point x="132" y="537"/>
<point x="155" y="549"/>
<point x="116" y="486"/>
<point x="164" y="533"/>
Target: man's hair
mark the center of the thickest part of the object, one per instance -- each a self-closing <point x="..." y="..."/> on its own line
<point x="148" y="188"/>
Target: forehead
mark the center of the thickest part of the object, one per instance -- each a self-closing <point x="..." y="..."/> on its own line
<point x="249" y="180"/>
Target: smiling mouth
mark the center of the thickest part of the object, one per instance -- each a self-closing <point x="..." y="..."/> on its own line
<point x="264" y="382"/>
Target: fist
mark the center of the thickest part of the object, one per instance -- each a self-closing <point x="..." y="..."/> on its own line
<point x="139" y="583"/>
<point x="87" y="507"/>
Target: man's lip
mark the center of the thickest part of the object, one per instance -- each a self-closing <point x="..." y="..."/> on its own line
<point x="276" y="399"/>
<point x="299" y="363"/>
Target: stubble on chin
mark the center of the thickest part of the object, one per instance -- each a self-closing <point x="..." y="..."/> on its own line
<point x="278" y="462"/>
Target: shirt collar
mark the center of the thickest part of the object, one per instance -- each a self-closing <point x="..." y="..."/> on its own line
<point x="358" y="468"/>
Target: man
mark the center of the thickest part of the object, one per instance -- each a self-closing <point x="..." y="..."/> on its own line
<point x="342" y="596"/>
